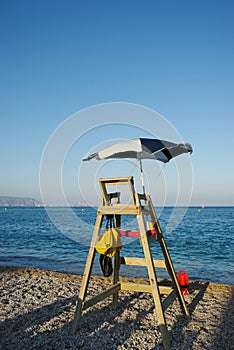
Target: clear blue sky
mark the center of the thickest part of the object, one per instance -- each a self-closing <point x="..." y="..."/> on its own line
<point x="176" y="57"/>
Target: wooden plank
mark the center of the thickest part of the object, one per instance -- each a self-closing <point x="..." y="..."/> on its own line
<point x="87" y="273"/>
<point x="159" y="263"/>
<point x="154" y="285"/>
<point x="172" y="273"/>
<point x="168" y="261"/>
<point x="136" y="287"/>
<point x="97" y="298"/>
<point x="116" y="279"/>
<point x="146" y="288"/>
<point x="123" y="209"/>
<point x="141" y="262"/>
<point x="165" y="289"/>
<point x="116" y="179"/>
<point x="112" y="181"/>
<point x="104" y="193"/>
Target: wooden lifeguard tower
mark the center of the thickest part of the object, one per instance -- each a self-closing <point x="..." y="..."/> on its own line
<point x="141" y="206"/>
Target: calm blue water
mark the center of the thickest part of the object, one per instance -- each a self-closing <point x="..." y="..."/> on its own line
<point x="202" y="243"/>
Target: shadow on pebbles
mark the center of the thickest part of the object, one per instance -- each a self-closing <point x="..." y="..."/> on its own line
<point x="37" y="309"/>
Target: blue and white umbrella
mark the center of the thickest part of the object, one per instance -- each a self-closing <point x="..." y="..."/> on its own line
<point x="143" y="148"/>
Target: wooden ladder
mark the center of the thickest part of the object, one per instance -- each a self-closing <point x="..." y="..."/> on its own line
<point x="141" y="211"/>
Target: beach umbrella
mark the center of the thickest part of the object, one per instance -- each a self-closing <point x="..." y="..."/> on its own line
<point x="143" y="148"/>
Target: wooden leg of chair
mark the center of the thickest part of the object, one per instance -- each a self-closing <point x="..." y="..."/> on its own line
<point x="154" y="285"/>
<point x="86" y="275"/>
<point x="116" y="278"/>
<point x="171" y="271"/>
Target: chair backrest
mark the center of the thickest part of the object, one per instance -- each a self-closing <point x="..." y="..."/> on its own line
<point x="116" y="182"/>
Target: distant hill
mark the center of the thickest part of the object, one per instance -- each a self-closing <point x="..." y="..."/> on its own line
<point x="19" y="202"/>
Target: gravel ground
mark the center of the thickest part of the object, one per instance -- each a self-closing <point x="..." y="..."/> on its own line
<point x="37" y="308"/>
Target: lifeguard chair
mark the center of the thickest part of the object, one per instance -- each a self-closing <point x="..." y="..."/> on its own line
<point x="141" y="206"/>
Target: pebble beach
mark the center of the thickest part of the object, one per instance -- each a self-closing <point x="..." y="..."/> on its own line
<point x="37" y="310"/>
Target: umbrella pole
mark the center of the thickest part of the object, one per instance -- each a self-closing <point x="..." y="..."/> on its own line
<point x="142" y="177"/>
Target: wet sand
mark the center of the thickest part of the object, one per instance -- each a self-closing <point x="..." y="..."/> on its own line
<point x="37" y="308"/>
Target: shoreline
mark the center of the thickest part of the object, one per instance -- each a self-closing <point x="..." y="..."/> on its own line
<point x="142" y="277"/>
<point x="37" y="308"/>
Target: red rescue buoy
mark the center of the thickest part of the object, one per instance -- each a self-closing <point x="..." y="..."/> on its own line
<point x="183" y="281"/>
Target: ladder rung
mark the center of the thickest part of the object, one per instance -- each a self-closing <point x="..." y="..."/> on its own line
<point x="141" y="262"/>
<point x="136" y="287"/>
<point x="165" y="289"/>
<point x="146" y="288"/>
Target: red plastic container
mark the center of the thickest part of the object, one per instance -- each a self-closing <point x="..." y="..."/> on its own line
<point x="183" y="281"/>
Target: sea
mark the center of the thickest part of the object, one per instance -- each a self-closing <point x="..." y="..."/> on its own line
<point x="200" y="240"/>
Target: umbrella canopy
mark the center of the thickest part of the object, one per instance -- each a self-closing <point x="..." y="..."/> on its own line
<point x="143" y="148"/>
